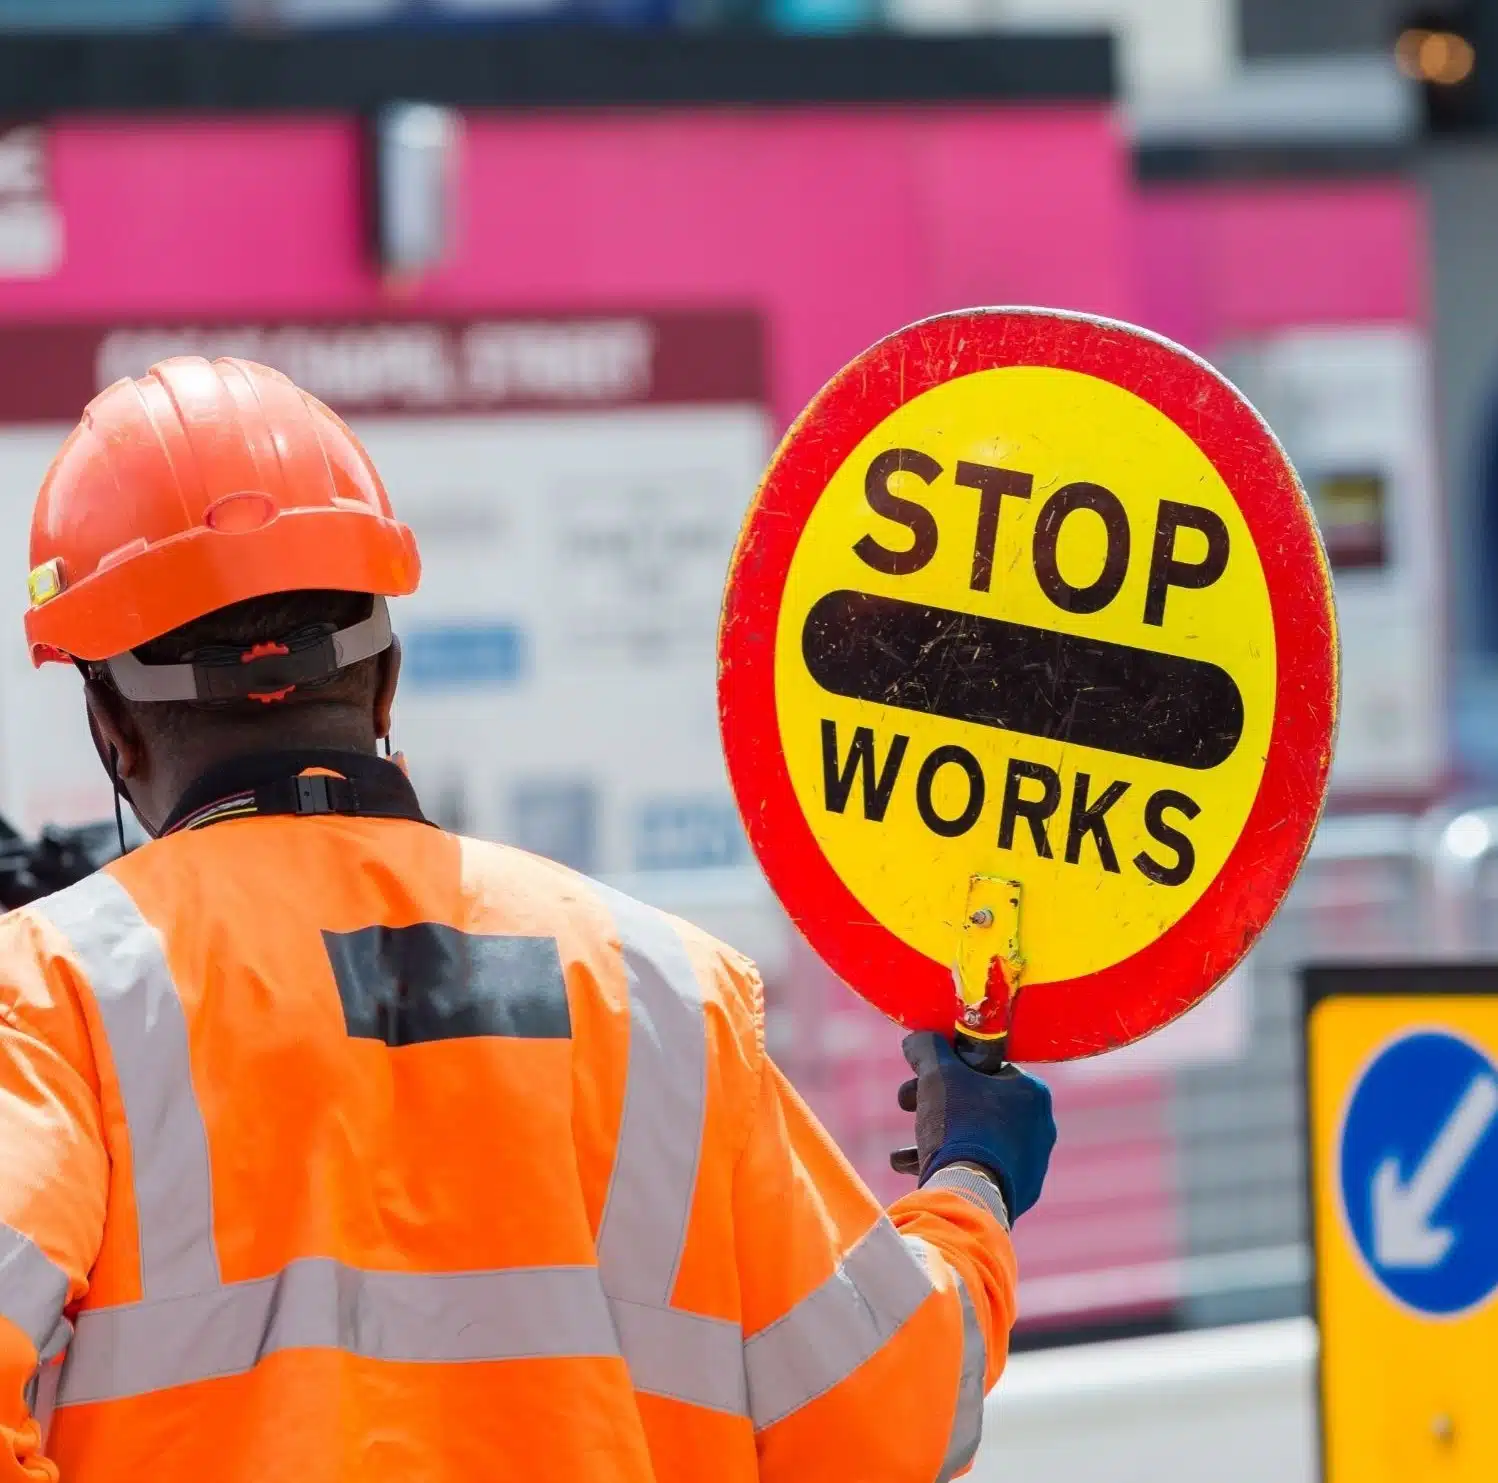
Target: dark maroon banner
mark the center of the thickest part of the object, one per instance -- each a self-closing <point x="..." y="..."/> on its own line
<point x="563" y="362"/>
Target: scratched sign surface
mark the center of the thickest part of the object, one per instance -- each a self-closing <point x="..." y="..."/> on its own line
<point x="1035" y="596"/>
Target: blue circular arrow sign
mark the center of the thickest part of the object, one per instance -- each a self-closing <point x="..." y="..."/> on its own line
<point x="1418" y="1170"/>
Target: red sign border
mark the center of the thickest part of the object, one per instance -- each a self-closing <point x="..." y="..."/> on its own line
<point x="1107" y="1009"/>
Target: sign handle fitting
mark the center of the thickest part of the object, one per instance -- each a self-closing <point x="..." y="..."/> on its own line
<point x="988" y="969"/>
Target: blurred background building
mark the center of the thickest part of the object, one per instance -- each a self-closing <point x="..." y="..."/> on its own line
<point x="572" y="265"/>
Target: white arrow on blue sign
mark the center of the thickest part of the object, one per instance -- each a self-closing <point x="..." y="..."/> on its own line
<point x="1418" y="1170"/>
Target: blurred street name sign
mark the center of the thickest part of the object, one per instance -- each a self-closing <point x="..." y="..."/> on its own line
<point x="1402" y="1121"/>
<point x="1029" y="632"/>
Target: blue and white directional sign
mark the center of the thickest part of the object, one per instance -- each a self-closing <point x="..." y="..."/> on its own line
<point x="1402" y="1143"/>
<point x="1417" y="1166"/>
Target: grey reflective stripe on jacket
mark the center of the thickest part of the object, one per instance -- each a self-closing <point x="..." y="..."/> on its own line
<point x="318" y="1303"/>
<point x="132" y="985"/>
<point x="33" y="1292"/>
<point x="687" y="1357"/>
<point x="967" y="1419"/>
<point x="33" y="1288"/>
<point x="191" y="1325"/>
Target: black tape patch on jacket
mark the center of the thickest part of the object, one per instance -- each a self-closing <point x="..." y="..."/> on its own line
<point x="411" y="985"/>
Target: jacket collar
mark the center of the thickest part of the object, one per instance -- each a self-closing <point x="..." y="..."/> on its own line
<point x="261" y="782"/>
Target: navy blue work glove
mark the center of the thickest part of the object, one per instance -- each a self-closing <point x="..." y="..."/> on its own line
<point x="1003" y="1123"/>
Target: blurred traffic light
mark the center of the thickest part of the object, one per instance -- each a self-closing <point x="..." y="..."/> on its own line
<point x="1449" y="51"/>
<point x="1443" y="58"/>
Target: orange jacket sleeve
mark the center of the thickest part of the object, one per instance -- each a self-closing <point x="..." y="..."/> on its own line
<point x="871" y="1337"/>
<point x="54" y="1176"/>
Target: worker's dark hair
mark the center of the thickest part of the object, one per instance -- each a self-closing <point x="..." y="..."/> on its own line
<point x="258" y="620"/>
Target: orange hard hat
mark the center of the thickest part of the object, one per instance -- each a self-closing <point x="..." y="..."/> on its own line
<point x="198" y="485"/>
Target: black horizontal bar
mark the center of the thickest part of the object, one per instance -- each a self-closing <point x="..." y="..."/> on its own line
<point x="1163" y="163"/>
<point x="538" y="67"/>
<point x="1035" y="681"/>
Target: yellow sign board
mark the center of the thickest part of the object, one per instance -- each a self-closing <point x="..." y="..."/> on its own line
<point x="1029" y="606"/>
<point x="1402" y="1123"/>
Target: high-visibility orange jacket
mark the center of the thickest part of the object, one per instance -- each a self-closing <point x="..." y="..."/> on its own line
<point x="341" y="1148"/>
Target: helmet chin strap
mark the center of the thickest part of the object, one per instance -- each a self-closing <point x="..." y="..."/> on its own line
<point x="110" y="758"/>
<point x="116" y="789"/>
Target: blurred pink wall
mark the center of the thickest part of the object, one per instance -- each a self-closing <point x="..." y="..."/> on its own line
<point x="1217" y="261"/>
<point x="839" y="224"/>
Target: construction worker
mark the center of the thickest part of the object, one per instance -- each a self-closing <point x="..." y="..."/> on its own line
<point x="336" y="1147"/>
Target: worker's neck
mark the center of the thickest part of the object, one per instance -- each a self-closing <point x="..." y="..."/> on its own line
<point x="182" y="767"/>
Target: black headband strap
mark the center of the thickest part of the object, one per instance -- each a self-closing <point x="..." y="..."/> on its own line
<point x="261" y="671"/>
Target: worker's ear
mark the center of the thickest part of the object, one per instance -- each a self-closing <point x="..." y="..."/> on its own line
<point x="112" y="726"/>
<point x="389" y="678"/>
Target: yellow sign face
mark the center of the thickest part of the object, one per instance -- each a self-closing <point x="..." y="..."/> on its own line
<point x="1098" y="594"/>
<point x="1402" y="1123"/>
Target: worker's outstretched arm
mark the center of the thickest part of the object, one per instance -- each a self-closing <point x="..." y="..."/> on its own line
<point x="872" y="1337"/>
<point x="54" y="1176"/>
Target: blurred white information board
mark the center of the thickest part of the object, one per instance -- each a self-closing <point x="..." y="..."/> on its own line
<point x="1352" y="405"/>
